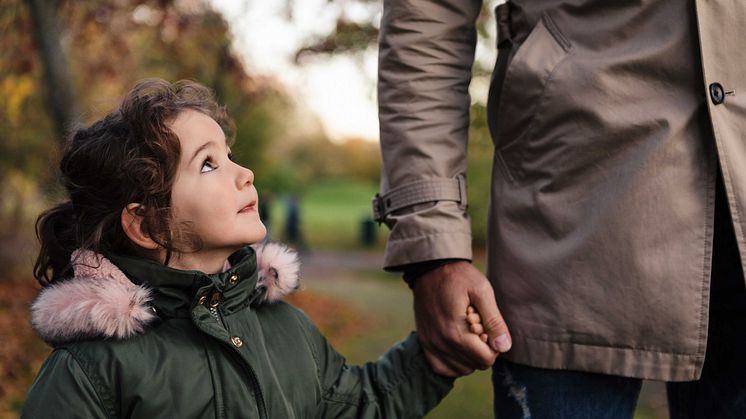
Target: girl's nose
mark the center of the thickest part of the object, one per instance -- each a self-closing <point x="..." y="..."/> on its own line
<point x="246" y="177"/>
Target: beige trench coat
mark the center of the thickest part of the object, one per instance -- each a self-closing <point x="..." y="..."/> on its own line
<point x="608" y="125"/>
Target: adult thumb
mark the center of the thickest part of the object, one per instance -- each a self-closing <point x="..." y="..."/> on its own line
<point x="494" y="325"/>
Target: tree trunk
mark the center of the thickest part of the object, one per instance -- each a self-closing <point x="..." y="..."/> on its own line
<point x="59" y="85"/>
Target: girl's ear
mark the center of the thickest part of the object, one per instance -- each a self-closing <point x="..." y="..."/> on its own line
<point x="132" y="226"/>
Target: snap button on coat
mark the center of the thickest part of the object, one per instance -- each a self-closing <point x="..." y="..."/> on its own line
<point x="237" y="342"/>
<point x="233" y="279"/>
<point x="717" y="94"/>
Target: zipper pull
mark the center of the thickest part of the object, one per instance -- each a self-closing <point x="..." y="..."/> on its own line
<point x="215" y="300"/>
<point x="214" y="303"/>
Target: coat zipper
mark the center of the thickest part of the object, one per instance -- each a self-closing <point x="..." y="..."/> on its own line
<point x="214" y="303"/>
<point x="253" y="381"/>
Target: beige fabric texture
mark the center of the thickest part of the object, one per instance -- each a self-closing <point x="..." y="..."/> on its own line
<point x="606" y="150"/>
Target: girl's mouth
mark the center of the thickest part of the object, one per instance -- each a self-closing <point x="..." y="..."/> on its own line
<point x="249" y="208"/>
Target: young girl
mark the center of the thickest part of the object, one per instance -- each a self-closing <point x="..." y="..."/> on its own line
<point x="157" y="307"/>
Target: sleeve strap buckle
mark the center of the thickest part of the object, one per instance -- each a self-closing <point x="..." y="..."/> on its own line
<point x="418" y="192"/>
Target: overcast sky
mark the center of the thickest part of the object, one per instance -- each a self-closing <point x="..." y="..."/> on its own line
<point x="339" y="89"/>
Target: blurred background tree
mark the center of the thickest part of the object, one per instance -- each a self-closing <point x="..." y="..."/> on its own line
<point x="109" y="46"/>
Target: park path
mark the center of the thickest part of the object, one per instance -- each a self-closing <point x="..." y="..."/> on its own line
<point x="316" y="263"/>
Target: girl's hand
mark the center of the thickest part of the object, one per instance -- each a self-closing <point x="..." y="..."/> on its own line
<point x="475" y="323"/>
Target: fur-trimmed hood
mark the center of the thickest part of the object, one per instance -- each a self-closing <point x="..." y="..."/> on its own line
<point x="100" y="301"/>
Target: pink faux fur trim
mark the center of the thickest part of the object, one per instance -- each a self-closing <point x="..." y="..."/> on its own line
<point x="99" y="301"/>
<point x="278" y="270"/>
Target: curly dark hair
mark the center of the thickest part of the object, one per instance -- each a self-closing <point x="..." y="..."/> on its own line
<point x="130" y="155"/>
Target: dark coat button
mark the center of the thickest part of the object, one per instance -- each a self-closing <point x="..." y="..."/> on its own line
<point x="717" y="94"/>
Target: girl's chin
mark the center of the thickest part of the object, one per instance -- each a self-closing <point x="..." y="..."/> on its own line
<point x="255" y="238"/>
<point x="261" y="233"/>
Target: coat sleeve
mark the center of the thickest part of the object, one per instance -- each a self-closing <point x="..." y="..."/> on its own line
<point x="400" y="384"/>
<point x="62" y="390"/>
<point x="425" y="60"/>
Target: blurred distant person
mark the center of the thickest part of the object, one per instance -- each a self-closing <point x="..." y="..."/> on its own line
<point x="292" y="220"/>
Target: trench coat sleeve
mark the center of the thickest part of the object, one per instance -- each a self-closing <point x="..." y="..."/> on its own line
<point x="62" y="390"/>
<point x="425" y="60"/>
<point x="400" y="384"/>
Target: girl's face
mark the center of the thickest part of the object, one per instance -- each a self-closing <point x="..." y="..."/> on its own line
<point x="214" y="195"/>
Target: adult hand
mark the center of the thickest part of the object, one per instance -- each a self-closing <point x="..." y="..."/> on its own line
<point x="441" y="298"/>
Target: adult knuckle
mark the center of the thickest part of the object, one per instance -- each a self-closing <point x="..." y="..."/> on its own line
<point x="483" y="366"/>
<point x="485" y="287"/>
<point x="487" y="362"/>
<point x="428" y="344"/>
<point x="441" y="368"/>
<point x="437" y="344"/>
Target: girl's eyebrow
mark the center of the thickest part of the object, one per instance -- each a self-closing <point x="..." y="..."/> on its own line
<point x="200" y="148"/>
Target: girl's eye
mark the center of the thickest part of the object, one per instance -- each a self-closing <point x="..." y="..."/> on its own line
<point x="207" y="166"/>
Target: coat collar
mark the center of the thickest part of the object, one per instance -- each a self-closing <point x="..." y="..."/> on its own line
<point x="175" y="290"/>
<point x="117" y="297"/>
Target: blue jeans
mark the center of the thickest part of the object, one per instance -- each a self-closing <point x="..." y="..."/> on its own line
<point x="523" y="392"/>
<point x="526" y="392"/>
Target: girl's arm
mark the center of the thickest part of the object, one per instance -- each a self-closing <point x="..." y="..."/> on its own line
<point x="62" y="390"/>
<point x="400" y="384"/>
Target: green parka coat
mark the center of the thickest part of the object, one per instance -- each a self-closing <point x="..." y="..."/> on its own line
<point x="165" y="343"/>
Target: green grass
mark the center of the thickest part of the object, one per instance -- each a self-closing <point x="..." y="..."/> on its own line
<point x="331" y="215"/>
